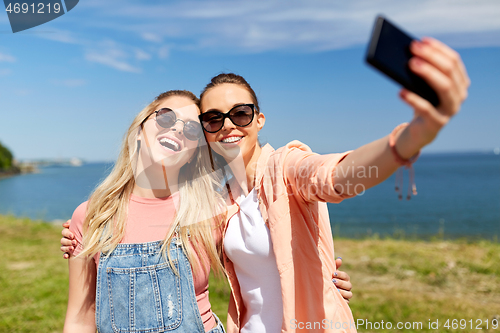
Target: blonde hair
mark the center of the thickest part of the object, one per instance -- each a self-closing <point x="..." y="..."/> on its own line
<point x="105" y="220"/>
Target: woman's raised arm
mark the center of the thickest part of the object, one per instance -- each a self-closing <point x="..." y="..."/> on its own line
<point x="442" y="68"/>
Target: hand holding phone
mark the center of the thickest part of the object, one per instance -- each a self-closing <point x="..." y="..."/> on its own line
<point x="389" y="52"/>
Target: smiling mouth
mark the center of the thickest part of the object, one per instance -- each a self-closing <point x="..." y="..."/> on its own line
<point x="170" y="144"/>
<point x="232" y="139"/>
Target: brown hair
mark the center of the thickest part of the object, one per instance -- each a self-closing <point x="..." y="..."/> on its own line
<point x="182" y="93"/>
<point x="232" y="79"/>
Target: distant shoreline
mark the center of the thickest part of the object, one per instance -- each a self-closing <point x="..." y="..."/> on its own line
<point x="19" y="170"/>
<point x="8" y="174"/>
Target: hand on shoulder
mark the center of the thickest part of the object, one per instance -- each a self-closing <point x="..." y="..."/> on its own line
<point x="68" y="241"/>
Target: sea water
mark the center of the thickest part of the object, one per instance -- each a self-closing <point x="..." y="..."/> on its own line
<point x="458" y="196"/>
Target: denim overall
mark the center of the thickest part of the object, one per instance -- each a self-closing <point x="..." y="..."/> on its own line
<point x="138" y="292"/>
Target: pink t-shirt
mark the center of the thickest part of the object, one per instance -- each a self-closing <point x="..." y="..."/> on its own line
<point x="148" y="221"/>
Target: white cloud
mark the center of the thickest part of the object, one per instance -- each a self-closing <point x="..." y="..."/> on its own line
<point x="111" y="61"/>
<point x="62" y="36"/>
<point x="163" y="52"/>
<point x="151" y="37"/>
<point x="301" y="25"/>
<point x="141" y="55"/>
<point x="6" y="58"/>
<point x="148" y="30"/>
<point x="108" y="53"/>
<point x="70" y="82"/>
<point x="111" y="54"/>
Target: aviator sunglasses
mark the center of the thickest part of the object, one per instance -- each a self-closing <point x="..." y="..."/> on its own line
<point x="167" y="118"/>
<point x="240" y="115"/>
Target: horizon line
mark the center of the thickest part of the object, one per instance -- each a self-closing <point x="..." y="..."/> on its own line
<point x="492" y="151"/>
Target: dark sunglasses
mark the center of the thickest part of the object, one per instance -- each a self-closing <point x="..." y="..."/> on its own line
<point x="240" y="115"/>
<point x="167" y="118"/>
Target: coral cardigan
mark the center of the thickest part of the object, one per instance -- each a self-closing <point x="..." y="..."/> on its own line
<point x="293" y="185"/>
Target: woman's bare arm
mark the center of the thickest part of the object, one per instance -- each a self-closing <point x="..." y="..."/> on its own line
<point x="443" y="69"/>
<point x="80" y="316"/>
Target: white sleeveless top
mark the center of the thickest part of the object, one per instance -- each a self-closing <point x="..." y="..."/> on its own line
<point x="248" y="244"/>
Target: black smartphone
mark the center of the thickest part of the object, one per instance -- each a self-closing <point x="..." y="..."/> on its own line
<point x="389" y="52"/>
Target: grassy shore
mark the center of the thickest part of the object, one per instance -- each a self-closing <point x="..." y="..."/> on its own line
<point x="394" y="281"/>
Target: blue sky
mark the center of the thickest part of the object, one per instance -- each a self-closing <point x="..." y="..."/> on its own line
<point x="70" y="87"/>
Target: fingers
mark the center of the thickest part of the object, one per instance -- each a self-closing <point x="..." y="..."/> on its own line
<point x="424" y="109"/>
<point x="347" y="295"/>
<point x="340" y="275"/>
<point x="344" y="287"/>
<point x="68" y="242"/>
<point x="464" y="77"/>
<point x="442" y="84"/>
<point x="67" y="245"/>
<point x="68" y="250"/>
<point x="67" y="234"/>
<point x="343" y="284"/>
<point x="66" y="255"/>
<point x="443" y="69"/>
<point x="442" y="57"/>
<point x="338" y="262"/>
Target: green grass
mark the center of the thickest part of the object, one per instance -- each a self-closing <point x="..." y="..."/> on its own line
<point x="33" y="277"/>
<point x="394" y="280"/>
<point x="407" y="281"/>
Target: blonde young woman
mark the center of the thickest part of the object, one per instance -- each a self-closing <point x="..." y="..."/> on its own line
<point x="278" y="248"/>
<point x="142" y="255"/>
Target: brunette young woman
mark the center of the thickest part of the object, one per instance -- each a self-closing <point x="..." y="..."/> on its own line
<point x="278" y="248"/>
